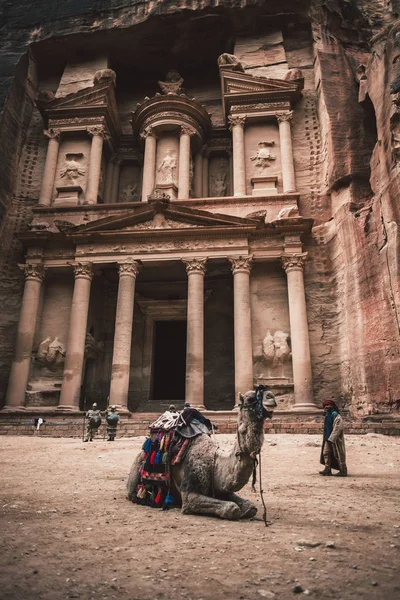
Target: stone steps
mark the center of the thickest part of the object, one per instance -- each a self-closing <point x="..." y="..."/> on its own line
<point x="136" y="424"/>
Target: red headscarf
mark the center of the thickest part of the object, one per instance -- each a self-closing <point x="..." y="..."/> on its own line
<point x="330" y="403"/>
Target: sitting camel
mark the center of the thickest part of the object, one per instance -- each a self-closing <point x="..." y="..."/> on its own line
<point x="205" y="482"/>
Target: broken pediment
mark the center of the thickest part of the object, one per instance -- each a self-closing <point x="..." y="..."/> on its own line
<point x="83" y="107"/>
<point x="242" y="92"/>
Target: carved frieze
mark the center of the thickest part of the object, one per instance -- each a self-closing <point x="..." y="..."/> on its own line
<point x="260" y="107"/>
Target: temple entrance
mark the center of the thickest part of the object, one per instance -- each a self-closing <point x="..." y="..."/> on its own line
<point x="169" y="360"/>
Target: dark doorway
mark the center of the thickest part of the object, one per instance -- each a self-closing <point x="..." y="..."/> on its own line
<point x="169" y="366"/>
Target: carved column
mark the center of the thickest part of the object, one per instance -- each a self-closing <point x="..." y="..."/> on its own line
<point x="50" y="167"/>
<point x="93" y="179"/>
<point x="205" y="191"/>
<point x="198" y="175"/>
<point x="149" y="164"/>
<point x="241" y="268"/>
<point x="194" y="393"/>
<point x="72" y="378"/>
<point x="121" y="361"/>
<point x="285" y="136"/>
<point x="239" y="169"/>
<point x="108" y="195"/>
<point x="18" y="381"/>
<point x="115" y="180"/>
<point x="184" y="162"/>
<point x="301" y="359"/>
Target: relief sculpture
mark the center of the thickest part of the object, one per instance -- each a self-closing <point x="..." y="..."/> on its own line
<point x="263" y="156"/>
<point x="276" y="349"/>
<point x="50" y="353"/>
<point x="130" y="193"/>
<point x="167" y="168"/>
<point x="72" y="169"/>
<point x="219" y="186"/>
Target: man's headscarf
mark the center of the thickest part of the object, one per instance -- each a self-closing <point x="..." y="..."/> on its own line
<point x="330" y="403"/>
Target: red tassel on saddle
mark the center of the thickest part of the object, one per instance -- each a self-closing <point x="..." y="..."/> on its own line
<point x="153" y="457"/>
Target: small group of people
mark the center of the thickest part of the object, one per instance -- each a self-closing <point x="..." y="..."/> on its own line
<point x="93" y="422"/>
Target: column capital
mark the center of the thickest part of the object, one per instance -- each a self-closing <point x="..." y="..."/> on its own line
<point x="242" y="264"/>
<point x="147" y="132"/>
<point x="83" y="270"/>
<point x="34" y="272"/>
<point x="187" y="130"/>
<point x="129" y="268"/>
<point x="97" y="130"/>
<point x="195" y="265"/>
<point x="52" y="134"/>
<point x="295" y="262"/>
<point x="236" y="120"/>
<point x="284" y="117"/>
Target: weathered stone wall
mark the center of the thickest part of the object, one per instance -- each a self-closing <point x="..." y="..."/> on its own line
<point x="344" y="136"/>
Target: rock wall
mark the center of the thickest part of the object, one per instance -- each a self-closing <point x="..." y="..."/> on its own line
<point x="346" y="136"/>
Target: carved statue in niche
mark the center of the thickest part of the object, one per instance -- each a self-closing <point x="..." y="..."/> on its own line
<point x="263" y="156"/>
<point x="168" y="167"/>
<point x="50" y="353"/>
<point x="172" y="84"/>
<point x="72" y="169"/>
<point x="130" y="193"/>
<point x="276" y="349"/>
<point x="218" y="179"/>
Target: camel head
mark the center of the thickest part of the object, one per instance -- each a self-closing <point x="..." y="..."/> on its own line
<point x="259" y="403"/>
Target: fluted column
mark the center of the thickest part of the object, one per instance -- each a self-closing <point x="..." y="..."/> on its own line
<point x="149" y="164"/>
<point x="194" y="392"/>
<point x="285" y="137"/>
<point x="184" y="162"/>
<point x="93" y="179"/>
<point x="72" y="378"/>
<point x="301" y="359"/>
<point x="50" y="167"/>
<point x="18" y="381"/>
<point x="241" y="268"/>
<point x="121" y="361"/>
<point x="198" y="175"/>
<point x="205" y="191"/>
<point x="239" y="168"/>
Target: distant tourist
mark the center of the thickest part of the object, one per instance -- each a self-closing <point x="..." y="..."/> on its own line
<point x="333" y="452"/>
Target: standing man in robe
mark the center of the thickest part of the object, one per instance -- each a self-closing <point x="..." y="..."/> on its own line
<point x="333" y="452"/>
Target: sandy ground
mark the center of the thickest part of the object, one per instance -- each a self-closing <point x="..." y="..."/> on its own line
<point x="67" y="530"/>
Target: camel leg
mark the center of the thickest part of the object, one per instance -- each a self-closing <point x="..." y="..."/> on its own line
<point x="248" y="509"/>
<point x="134" y="477"/>
<point x="197" y="504"/>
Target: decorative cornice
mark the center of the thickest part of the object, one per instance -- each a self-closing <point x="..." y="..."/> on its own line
<point x="295" y="262"/>
<point x="33" y="272"/>
<point x="284" y="117"/>
<point x="195" y="265"/>
<point x="83" y="270"/>
<point x="236" y="120"/>
<point x="52" y="134"/>
<point x="186" y="130"/>
<point x="242" y="264"/>
<point x="129" y="268"/>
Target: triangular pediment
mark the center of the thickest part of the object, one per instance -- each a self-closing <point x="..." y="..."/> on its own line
<point x="240" y="90"/>
<point x="159" y="218"/>
<point x="95" y="101"/>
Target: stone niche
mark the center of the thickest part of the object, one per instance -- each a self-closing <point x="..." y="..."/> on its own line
<point x="220" y="179"/>
<point x="129" y="186"/>
<point x="50" y="343"/>
<point x="272" y="358"/>
<point x="263" y="161"/>
<point x="72" y="168"/>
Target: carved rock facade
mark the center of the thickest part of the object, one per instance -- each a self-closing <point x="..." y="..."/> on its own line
<point x="213" y="231"/>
